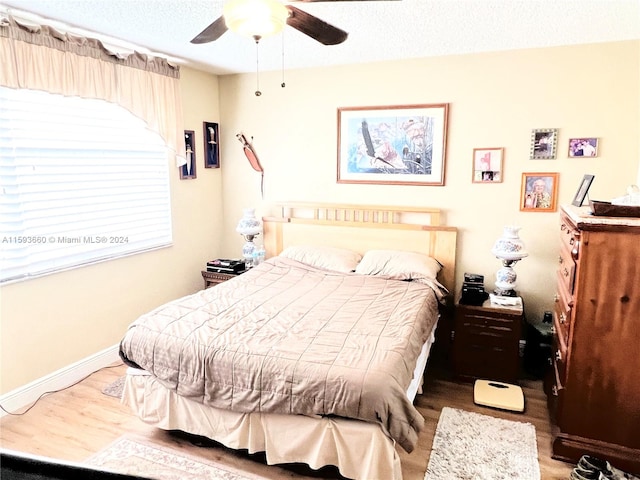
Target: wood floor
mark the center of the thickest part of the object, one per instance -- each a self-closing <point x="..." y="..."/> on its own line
<point x="77" y="422"/>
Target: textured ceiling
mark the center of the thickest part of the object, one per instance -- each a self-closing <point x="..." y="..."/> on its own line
<point x="378" y="30"/>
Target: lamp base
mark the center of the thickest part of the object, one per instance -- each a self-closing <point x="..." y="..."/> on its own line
<point x="506" y="279"/>
<point x="247" y="251"/>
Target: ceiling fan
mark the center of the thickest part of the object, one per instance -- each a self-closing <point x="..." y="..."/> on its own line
<point x="259" y="18"/>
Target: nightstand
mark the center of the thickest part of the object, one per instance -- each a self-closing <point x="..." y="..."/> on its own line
<point x="486" y="342"/>
<point x="214" y="278"/>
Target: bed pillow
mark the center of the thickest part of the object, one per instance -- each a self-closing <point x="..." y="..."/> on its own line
<point x="329" y="258"/>
<point x="399" y="265"/>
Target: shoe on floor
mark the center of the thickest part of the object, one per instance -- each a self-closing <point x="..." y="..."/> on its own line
<point x="580" y="473"/>
<point x="593" y="464"/>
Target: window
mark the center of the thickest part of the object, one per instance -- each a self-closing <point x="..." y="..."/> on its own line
<point x="82" y="180"/>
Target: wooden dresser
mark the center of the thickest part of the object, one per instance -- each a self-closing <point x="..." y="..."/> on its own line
<point x="594" y="385"/>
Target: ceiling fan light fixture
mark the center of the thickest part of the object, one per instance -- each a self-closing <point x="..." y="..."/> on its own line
<point x="255" y="18"/>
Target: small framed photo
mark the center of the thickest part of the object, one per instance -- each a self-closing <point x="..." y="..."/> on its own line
<point x="188" y="171"/>
<point x="487" y="165"/>
<point x="211" y="145"/>
<point x="539" y="192"/>
<point x="544" y="143"/>
<point x="583" y="147"/>
<point x="583" y="189"/>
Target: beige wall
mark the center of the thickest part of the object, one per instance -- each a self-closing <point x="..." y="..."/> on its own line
<point x="53" y="321"/>
<point x="495" y="100"/>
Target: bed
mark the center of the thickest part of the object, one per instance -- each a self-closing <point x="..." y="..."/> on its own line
<point x="314" y="356"/>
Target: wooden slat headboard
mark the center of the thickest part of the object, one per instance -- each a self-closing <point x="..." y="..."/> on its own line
<point x="361" y="228"/>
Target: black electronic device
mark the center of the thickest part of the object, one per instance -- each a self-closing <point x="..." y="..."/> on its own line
<point x="224" y="265"/>
<point x="473" y="296"/>
<point x="473" y="292"/>
<point x="473" y="278"/>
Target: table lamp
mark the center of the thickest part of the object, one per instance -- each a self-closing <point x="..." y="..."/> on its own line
<point x="510" y="249"/>
<point x="249" y="227"/>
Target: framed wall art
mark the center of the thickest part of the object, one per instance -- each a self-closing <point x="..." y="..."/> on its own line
<point x="487" y="165"/>
<point x="539" y="192"/>
<point x="544" y="142"/>
<point x="583" y="189"/>
<point x="583" y="147"/>
<point x="188" y="171"/>
<point x="211" y="145"/>
<point x="393" y="145"/>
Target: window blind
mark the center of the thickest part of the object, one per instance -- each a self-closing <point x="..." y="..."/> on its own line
<point x="82" y="180"/>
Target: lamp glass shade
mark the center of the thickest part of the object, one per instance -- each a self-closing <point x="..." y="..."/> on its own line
<point x="255" y="18"/>
<point x="249" y="225"/>
<point x="510" y="246"/>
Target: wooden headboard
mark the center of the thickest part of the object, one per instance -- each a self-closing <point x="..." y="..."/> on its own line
<point x="361" y="228"/>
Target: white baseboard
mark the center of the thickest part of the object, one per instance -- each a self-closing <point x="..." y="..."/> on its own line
<point x="20" y="398"/>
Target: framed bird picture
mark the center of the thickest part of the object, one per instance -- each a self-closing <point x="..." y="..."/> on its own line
<point x="395" y="145"/>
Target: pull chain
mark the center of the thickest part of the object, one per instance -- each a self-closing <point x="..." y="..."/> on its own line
<point x="258" y="92"/>
<point x="283" y="84"/>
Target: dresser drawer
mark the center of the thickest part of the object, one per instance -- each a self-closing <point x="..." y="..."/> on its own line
<point x="482" y="361"/>
<point x="554" y="389"/>
<point x="559" y="357"/>
<point x="566" y="269"/>
<point x="570" y="238"/>
<point x="562" y="310"/>
<point x="492" y="332"/>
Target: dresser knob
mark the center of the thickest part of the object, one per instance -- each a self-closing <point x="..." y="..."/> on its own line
<point x="553" y="330"/>
<point x="554" y="390"/>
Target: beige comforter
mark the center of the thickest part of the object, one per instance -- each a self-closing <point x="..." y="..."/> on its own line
<point x="286" y="337"/>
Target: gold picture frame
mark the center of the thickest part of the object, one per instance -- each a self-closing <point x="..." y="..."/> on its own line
<point x="539" y="192"/>
<point x="392" y="145"/>
<point x="586" y="147"/>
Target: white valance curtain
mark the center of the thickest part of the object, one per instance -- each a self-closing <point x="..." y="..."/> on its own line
<point x="41" y="58"/>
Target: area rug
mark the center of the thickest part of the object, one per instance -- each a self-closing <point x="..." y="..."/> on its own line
<point x="132" y="457"/>
<point x="114" y="389"/>
<point x="472" y="446"/>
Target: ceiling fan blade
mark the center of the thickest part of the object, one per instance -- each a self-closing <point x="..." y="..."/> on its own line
<point x="314" y="27"/>
<point x="212" y="32"/>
